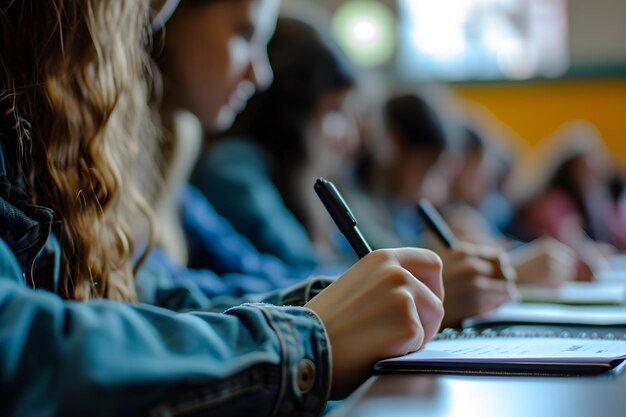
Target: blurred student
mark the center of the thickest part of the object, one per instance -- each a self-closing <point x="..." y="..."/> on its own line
<point x="74" y="339"/>
<point x="207" y="79"/>
<point x="259" y="175"/>
<point x="477" y="184"/>
<point x="479" y="211"/>
<point x="412" y="157"/>
<point x="576" y="202"/>
<point x="406" y="157"/>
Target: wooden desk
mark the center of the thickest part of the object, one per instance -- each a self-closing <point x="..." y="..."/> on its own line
<point x="480" y="396"/>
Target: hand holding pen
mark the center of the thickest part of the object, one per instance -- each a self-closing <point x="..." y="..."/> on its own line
<point x="477" y="278"/>
<point x="438" y="226"/>
<point x="378" y="308"/>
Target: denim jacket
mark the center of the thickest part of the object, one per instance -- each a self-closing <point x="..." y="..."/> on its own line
<point x="60" y="357"/>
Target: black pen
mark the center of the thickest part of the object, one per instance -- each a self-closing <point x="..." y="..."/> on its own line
<point x="439" y="227"/>
<point x="342" y="216"/>
<point x="436" y="223"/>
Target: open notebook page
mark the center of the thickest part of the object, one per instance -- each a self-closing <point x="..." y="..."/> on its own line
<point x="511" y="354"/>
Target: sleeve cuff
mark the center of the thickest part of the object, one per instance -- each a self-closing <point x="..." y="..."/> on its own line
<point x="303" y="292"/>
<point x="306" y="360"/>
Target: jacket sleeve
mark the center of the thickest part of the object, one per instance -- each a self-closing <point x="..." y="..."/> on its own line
<point x="215" y="245"/>
<point x="68" y="358"/>
<point x="252" y="204"/>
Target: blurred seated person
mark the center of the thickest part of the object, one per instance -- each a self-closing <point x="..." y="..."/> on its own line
<point x="407" y="157"/>
<point x="196" y="245"/>
<point x="260" y="174"/>
<point x="479" y="211"/>
<point x="477" y="208"/>
<point x="578" y="201"/>
<point x="419" y="157"/>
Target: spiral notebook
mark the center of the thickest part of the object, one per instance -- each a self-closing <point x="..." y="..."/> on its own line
<point x="494" y="353"/>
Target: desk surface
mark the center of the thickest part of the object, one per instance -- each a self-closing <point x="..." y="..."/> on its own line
<point x="482" y="396"/>
<point x="494" y="396"/>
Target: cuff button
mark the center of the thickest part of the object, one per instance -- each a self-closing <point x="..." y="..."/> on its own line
<point x="306" y="376"/>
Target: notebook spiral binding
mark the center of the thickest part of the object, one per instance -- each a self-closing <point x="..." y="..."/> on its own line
<point x="449" y="333"/>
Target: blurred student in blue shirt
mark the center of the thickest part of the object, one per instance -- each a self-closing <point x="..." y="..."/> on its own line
<point x="300" y="128"/>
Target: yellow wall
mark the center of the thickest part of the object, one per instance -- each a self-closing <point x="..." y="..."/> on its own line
<point x="535" y="110"/>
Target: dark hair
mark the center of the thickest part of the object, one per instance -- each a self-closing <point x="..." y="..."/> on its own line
<point x="306" y="64"/>
<point x="617" y="185"/>
<point x="416" y="122"/>
<point x="474" y="140"/>
<point x="563" y="179"/>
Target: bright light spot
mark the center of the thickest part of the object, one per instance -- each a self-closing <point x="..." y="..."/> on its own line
<point x="366" y="29"/>
<point x="430" y="36"/>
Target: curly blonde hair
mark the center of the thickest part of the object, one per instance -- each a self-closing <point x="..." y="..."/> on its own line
<point x="74" y="85"/>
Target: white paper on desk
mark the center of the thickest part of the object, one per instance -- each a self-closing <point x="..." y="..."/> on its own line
<point x="615" y="272"/>
<point x="611" y="275"/>
<point x="618" y="262"/>
<point x="601" y="293"/>
<point x="514" y="349"/>
<point x="531" y="313"/>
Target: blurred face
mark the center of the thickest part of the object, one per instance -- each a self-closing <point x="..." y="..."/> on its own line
<point x="333" y="135"/>
<point x="415" y="167"/>
<point x="409" y="168"/>
<point x="217" y="57"/>
<point x="436" y="184"/>
<point x="476" y="178"/>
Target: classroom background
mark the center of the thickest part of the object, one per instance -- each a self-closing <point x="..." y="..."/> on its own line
<point x="535" y="65"/>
